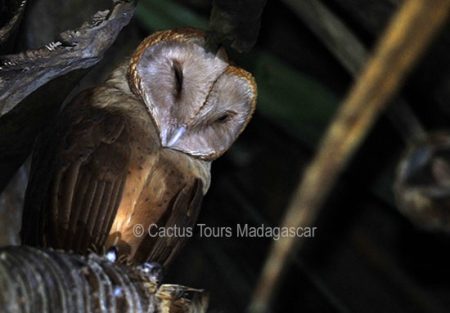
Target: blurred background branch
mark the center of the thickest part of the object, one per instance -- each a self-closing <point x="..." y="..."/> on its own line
<point x="237" y="22"/>
<point x="347" y="48"/>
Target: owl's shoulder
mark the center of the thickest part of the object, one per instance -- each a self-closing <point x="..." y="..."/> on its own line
<point x="106" y="100"/>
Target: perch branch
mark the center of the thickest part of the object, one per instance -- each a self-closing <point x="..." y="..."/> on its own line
<point x="403" y="42"/>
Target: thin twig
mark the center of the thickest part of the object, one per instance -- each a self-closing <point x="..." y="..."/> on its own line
<point x="352" y="54"/>
<point x="332" y="32"/>
<point x="402" y="43"/>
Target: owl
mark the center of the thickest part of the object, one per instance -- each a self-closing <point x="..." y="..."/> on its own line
<point x="136" y="150"/>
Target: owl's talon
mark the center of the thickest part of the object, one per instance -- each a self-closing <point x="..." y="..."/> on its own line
<point x="112" y="254"/>
<point x="152" y="270"/>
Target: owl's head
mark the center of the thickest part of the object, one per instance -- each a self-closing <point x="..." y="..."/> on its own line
<point x="199" y="102"/>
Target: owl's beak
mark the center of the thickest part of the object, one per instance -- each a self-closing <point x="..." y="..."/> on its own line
<point x="173" y="137"/>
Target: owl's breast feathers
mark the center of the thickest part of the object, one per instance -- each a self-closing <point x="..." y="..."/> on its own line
<point x="101" y="170"/>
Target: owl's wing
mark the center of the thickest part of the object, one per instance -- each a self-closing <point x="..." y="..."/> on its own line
<point x="77" y="172"/>
<point x="182" y="212"/>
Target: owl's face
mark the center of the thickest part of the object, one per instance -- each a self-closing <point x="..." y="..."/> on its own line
<point x="199" y="103"/>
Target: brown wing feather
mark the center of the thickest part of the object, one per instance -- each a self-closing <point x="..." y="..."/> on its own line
<point x="182" y="212"/>
<point x="76" y="183"/>
<point x="165" y="189"/>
